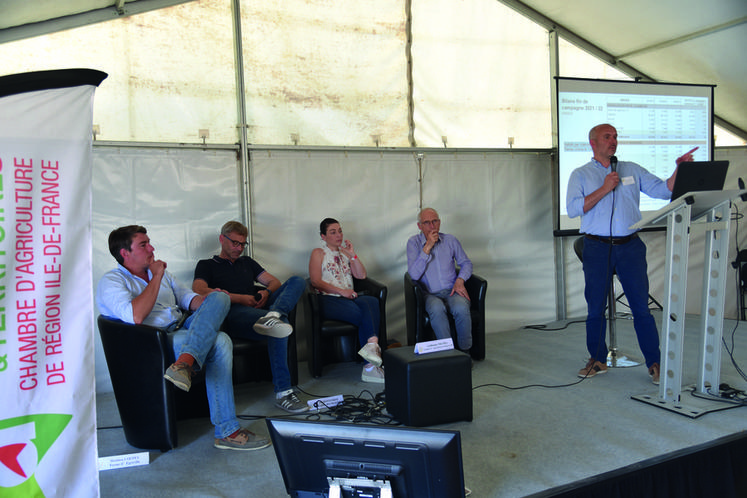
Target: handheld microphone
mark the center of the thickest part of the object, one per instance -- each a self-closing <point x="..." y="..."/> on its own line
<point x="613" y="163"/>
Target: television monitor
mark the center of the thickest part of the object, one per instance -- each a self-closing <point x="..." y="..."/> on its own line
<point x="331" y="459"/>
<point x="656" y="123"/>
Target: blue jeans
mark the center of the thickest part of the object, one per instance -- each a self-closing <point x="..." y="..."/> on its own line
<point x="438" y="304"/>
<point x="363" y="312"/>
<point x="240" y="319"/>
<point x="600" y="260"/>
<point x="212" y="350"/>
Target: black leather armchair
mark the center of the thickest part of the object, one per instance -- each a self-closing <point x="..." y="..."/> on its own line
<point x="137" y="357"/>
<point x="418" y="323"/>
<point x="333" y="340"/>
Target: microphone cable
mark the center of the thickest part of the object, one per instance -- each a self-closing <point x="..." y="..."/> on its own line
<point x="609" y="276"/>
<point x="613" y="167"/>
<point x="608" y="279"/>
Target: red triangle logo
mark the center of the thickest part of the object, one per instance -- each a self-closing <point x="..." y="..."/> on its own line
<point x="9" y="457"/>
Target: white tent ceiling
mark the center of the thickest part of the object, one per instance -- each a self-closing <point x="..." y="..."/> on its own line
<point x="683" y="41"/>
<point x="673" y="41"/>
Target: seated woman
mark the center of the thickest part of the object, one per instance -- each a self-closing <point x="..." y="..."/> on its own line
<point x="332" y="268"/>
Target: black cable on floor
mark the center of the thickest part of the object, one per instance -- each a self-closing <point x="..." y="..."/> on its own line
<point x="355" y="409"/>
<point x="544" y="327"/>
<point x="735" y="401"/>
<point x="494" y="384"/>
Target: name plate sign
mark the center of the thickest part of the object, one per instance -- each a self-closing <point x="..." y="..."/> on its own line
<point x="433" y="346"/>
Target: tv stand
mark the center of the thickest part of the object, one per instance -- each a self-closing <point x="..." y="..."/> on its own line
<point x="340" y="487"/>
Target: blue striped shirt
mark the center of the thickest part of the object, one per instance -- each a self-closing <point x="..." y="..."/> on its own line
<point x="436" y="271"/>
<point x="634" y="179"/>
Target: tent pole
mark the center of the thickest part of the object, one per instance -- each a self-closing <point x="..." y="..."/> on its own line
<point x="244" y="177"/>
<point x="410" y="89"/>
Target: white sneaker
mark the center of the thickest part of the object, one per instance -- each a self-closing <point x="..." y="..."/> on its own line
<point x="371" y="352"/>
<point x="372" y="373"/>
<point x="273" y="326"/>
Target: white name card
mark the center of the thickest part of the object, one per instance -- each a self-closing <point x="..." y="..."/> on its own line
<point x="324" y="403"/>
<point x="122" y="461"/>
<point x="433" y="346"/>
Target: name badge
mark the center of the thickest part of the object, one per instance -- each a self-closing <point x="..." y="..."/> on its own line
<point x="628" y="180"/>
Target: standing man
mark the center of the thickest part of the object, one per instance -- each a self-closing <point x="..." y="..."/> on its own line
<point x="606" y="195"/>
<point x="431" y="258"/>
<point x="140" y="290"/>
<point x="248" y="316"/>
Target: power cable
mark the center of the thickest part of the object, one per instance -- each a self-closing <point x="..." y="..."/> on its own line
<point x="354" y="409"/>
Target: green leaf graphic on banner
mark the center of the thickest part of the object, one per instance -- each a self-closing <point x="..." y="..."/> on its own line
<point x="29" y="437"/>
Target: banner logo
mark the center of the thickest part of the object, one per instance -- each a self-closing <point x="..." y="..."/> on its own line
<point x="23" y="443"/>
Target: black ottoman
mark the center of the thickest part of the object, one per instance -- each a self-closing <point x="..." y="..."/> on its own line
<point x="428" y="389"/>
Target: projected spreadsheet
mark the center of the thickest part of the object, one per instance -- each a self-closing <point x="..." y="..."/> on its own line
<point x="653" y="130"/>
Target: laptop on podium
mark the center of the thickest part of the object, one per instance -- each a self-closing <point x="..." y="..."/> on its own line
<point x="699" y="176"/>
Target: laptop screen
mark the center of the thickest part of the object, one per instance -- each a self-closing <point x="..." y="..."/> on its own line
<point x="699" y="176"/>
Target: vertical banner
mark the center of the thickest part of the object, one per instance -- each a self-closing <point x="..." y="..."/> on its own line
<point x="47" y="393"/>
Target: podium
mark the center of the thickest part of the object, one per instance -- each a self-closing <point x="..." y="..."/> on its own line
<point x="710" y="212"/>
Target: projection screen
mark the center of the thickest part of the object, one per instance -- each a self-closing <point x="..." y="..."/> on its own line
<point x="656" y="123"/>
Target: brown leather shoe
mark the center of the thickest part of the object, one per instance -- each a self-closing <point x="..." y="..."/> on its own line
<point x="242" y="440"/>
<point x="180" y="374"/>
<point x="654" y="371"/>
<point x="592" y="368"/>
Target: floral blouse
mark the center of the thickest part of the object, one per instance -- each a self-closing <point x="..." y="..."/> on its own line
<point x="336" y="270"/>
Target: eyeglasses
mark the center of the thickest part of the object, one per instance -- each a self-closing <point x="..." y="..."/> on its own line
<point x="236" y="243"/>
<point x="430" y="222"/>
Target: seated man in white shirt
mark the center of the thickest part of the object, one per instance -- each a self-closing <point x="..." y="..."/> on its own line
<point x="140" y="290"/>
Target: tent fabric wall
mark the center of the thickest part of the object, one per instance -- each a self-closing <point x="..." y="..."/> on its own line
<point x="315" y="73"/>
<point x="330" y="73"/>
<point x="485" y="199"/>
<point x="181" y="196"/>
<point x="184" y="196"/>
<point x="499" y="204"/>
<point x="477" y="87"/>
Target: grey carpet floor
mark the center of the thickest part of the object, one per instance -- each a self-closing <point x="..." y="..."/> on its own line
<point x="535" y="426"/>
